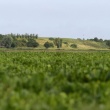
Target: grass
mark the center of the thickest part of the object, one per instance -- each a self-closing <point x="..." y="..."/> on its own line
<point x="81" y="44"/>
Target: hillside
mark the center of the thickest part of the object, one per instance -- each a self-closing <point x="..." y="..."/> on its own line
<point x="33" y="41"/>
<point x="81" y="44"/>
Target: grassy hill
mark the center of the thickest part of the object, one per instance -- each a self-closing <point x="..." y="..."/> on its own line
<point x="21" y="42"/>
<point x="81" y="44"/>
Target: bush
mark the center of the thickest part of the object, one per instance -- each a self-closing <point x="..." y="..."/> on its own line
<point x="51" y="38"/>
<point x="48" y="44"/>
<point x="73" y="45"/>
<point x="7" y="41"/>
<point x="32" y="43"/>
<point x="108" y="43"/>
<point x="14" y="44"/>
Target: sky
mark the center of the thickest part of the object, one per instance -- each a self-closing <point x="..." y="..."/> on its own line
<point x="56" y="18"/>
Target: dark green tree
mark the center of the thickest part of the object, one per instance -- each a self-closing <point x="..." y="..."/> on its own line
<point x="7" y="41"/>
<point x="96" y="39"/>
<point x="36" y="36"/>
<point x="1" y="36"/>
<point x="48" y="44"/>
<point x="32" y="43"/>
<point x="14" y="44"/>
<point x="108" y="42"/>
<point x="51" y="38"/>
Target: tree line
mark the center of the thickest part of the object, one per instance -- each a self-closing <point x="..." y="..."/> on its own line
<point x="26" y="40"/>
<point x="107" y="42"/>
<point x="30" y="40"/>
<point x="18" y="40"/>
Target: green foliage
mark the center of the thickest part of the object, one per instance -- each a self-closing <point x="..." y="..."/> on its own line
<point x="22" y="42"/>
<point x="12" y="40"/>
<point x="58" y="42"/>
<point x="1" y="37"/>
<point x="32" y="43"/>
<point x="15" y="36"/>
<point x="73" y="45"/>
<point x="51" y="38"/>
<point x="108" y="42"/>
<point x="7" y="41"/>
<point x="13" y="45"/>
<point x="54" y="81"/>
<point x="48" y="44"/>
<point x="96" y="39"/>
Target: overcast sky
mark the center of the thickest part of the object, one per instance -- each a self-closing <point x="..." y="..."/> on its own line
<point x="56" y="18"/>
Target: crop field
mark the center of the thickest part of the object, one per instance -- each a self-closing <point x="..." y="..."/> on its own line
<point x="55" y="80"/>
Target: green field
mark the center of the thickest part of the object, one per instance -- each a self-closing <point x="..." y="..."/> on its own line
<point x="55" y="80"/>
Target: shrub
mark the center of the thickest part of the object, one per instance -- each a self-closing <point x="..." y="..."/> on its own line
<point x="32" y="43"/>
<point x="51" y="38"/>
<point x="14" y="44"/>
<point x="108" y="43"/>
<point x="7" y="41"/>
<point x="73" y="45"/>
<point x="48" y="44"/>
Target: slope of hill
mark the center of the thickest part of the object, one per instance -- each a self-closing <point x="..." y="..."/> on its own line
<point x="77" y="44"/>
<point x="81" y="44"/>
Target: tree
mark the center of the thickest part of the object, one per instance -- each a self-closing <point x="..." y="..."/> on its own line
<point x="51" y="38"/>
<point x="48" y="44"/>
<point x="32" y="43"/>
<point x="108" y="42"/>
<point x="1" y="36"/>
<point x="7" y="41"/>
<point x="96" y="39"/>
<point x="36" y="36"/>
<point x="58" y="42"/>
<point x="13" y="45"/>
